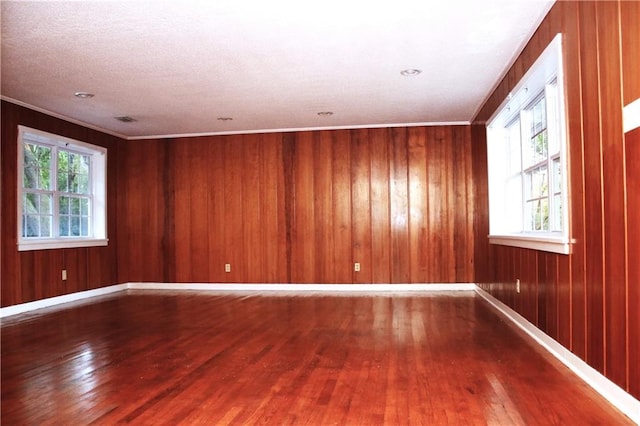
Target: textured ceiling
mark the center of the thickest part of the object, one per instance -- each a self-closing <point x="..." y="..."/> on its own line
<point x="176" y="67"/>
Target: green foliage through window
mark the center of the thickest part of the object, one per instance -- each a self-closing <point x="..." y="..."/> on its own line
<point x="71" y="194"/>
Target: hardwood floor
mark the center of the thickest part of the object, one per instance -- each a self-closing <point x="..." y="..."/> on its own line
<point x="199" y="358"/>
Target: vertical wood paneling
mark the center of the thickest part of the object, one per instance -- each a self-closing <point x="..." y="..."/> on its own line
<point x="632" y="142"/>
<point x="11" y="276"/>
<point x="462" y="204"/>
<point x="273" y="214"/>
<point x="577" y="273"/>
<point x="233" y="230"/>
<point x="341" y="196"/>
<point x="563" y="283"/>
<point x="613" y="191"/>
<point x="33" y="275"/>
<point x="361" y="204"/>
<point x="483" y="265"/>
<point x="252" y="200"/>
<point x="629" y="25"/>
<point x="323" y="206"/>
<point x="592" y="185"/>
<point x="418" y="206"/>
<point x="380" y="221"/>
<point x="285" y="207"/>
<point x="302" y="207"/>
<point x="182" y="208"/>
<point x="399" y="209"/>
<point x="436" y="201"/>
<point x="198" y="207"/>
<point x="630" y="34"/>
<point x="303" y="233"/>
<point x="585" y="300"/>
<point x="217" y="207"/>
<point x="166" y="229"/>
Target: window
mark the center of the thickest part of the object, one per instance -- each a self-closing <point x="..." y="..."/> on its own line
<point x="526" y="141"/>
<point x="61" y="192"/>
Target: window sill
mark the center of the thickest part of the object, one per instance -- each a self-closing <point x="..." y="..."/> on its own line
<point x="547" y="243"/>
<point x="45" y="244"/>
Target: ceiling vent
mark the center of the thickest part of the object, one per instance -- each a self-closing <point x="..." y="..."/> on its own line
<point x="125" y="119"/>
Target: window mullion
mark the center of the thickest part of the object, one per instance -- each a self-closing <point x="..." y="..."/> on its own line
<point x="55" y="199"/>
<point x="524" y="123"/>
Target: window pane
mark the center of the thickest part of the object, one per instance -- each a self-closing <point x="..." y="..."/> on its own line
<point x="539" y="145"/>
<point x="75" y="226"/>
<point x="537" y="221"/>
<point x="83" y="165"/>
<point x="84" y="226"/>
<point x="557" y="176"/>
<point x="37" y="163"/>
<point x="530" y="216"/>
<point x="73" y="170"/>
<point x="83" y="184"/>
<point x="543" y="182"/>
<point x="32" y="225"/>
<point x="30" y="177"/>
<point x="544" y="214"/>
<point x="75" y="205"/>
<point x="64" y="226"/>
<point x="45" y="204"/>
<point x="84" y="206"/>
<point x="74" y="185"/>
<point x="31" y="203"/>
<point x="539" y="121"/>
<point x="63" y="184"/>
<point x="45" y="226"/>
<point x="557" y="213"/>
<point x="64" y="205"/>
<point x="63" y="161"/>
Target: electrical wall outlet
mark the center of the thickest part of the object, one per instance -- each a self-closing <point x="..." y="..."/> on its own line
<point x="356" y="266"/>
<point x="227" y="267"/>
<point x="64" y="275"/>
<point x="518" y="285"/>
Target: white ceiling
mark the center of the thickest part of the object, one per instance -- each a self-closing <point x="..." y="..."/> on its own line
<point x="176" y="67"/>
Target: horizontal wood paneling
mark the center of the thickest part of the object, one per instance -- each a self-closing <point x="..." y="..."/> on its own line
<point x="587" y="300"/>
<point x="299" y="207"/>
<point x="32" y="275"/>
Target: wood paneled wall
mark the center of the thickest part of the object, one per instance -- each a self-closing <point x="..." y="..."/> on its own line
<point x="33" y="275"/>
<point x="590" y="300"/>
<point x="299" y="207"/>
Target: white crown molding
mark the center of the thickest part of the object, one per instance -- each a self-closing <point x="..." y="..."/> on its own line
<point x="302" y="129"/>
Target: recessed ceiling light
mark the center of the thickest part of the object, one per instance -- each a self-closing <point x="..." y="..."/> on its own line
<point x="325" y="113"/>
<point x="83" y="95"/>
<point x="410" y="72"/>
<point x="125" y="119"/>
<point x="225" y="118"/>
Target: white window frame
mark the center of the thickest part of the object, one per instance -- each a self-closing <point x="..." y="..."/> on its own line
<point x="506" y="219"/>
<point x="98" y="179"/>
